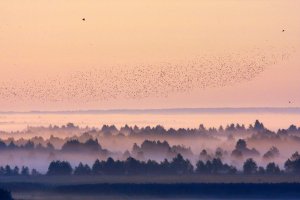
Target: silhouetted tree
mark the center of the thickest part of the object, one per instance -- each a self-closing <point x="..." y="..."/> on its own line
<point x="250" y="166"/>
<point x="75" y="146"/>
<point x="133" y="166"/>
<point x="71" y="125"/>
<point x="292" y="165"/>
<point x="241" y="149"/>
<point x="114" y="167"/>
<point x="165" y="166"/>
<point x="181" y="166"/>
<point x="230" y="128"/>
<point x="2" y="145"/>
<point x="109" y="167"/>
<point x="82" y="169"/>
<point x="271" y="153"/>
<point x="8" y="171"/>
<point x="25" y="171"/>
<point x="92" y="145"/>
<point x="2" y="171"/>
<point x="241" y="144"/>
<point x="201" y="167"/>
<point x="292" y="128"/>
<point x="215" y="166"/>
<point x="202" y="128"/>
<point x="97" y="167"/>
<point x="204" y="155"/>
<point x="152" y="167"/>
<point x="29" y="145"/>
<point x="221" y="129"/>
<point x="59" y="168"/>
<point x="71" y="146"/>
<point x="258" y="126"/>
<point x="34" y="172"/>
<point x="272" y="168"/>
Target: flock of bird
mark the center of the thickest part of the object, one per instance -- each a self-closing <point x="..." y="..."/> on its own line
<point x="145" y="80"/>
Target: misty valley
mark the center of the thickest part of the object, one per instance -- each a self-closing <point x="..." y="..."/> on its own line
<point x="151" y="100"/>
<point x="121" y="161"/>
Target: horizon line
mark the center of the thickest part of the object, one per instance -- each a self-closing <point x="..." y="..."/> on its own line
<point x="207" y="110"/>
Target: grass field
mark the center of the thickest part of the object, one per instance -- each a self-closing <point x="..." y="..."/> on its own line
<point x="153" y="187"/>
<point x="74" y="180"/>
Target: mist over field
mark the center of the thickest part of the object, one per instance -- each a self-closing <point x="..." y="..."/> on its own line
<point x="34" y="140"/>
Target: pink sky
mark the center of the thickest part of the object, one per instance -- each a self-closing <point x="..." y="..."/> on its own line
<point x="44" y="43"/>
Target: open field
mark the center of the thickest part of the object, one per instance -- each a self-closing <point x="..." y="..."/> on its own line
<point x="153" y="187"/>
<point x="75" y="180"/>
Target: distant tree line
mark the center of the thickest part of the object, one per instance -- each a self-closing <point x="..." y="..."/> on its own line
<point x="202" y="130"/>
<point x="250" y="167"/>
<point x="29" y="145"/>
<point x="130" y="166"/>
<point x="150" y="148"/>
<point x="16" y="171"/>
<point x="70" y="146"/>
<point x="177" y="166"/>
<point x="76" y="144"/>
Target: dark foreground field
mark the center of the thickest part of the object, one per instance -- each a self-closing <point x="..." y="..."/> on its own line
<point x="154" y="187"/>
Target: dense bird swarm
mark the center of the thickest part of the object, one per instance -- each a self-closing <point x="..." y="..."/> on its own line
<point x="145" y="80"/>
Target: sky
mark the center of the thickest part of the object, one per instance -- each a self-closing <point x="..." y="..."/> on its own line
<point x="148" y="54"/>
